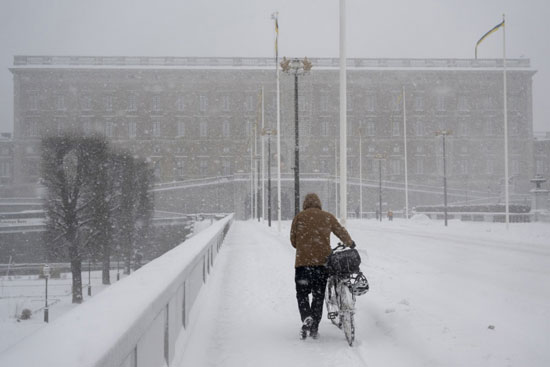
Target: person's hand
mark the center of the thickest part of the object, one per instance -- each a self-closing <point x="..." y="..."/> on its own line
<point x="352" y="244"/>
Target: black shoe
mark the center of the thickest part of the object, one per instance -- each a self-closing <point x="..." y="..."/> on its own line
<point x="314" y="333"/>
<point x="306" y="326"/>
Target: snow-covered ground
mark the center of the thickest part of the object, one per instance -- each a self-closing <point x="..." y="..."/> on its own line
<point x="471" y="294"/>
<point x="28" y="291"/>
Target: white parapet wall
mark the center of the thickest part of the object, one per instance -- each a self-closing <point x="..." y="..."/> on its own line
<point x="138" y="321"/>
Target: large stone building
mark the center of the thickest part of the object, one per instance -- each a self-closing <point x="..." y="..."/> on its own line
<point x="194" y="117"/>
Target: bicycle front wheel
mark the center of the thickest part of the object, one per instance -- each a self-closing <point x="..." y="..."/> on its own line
<point x="348" y="326"/>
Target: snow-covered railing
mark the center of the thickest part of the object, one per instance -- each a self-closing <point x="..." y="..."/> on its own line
<point x="141" y="320"/>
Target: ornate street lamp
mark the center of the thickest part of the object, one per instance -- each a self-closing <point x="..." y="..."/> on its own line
<point x="296" y="67"/>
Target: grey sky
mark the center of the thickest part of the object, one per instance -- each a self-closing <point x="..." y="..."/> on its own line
<point x="399" y="28"/>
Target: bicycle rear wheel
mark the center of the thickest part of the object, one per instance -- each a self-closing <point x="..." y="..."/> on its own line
<point x="347" y="310"/>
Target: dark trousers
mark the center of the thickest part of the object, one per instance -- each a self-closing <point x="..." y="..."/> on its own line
<point x="311" y="279"/>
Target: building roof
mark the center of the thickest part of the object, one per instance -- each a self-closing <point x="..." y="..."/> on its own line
<point x="152" y="62"/>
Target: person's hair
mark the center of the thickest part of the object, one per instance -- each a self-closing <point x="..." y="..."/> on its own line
<point x="312" y="201"/>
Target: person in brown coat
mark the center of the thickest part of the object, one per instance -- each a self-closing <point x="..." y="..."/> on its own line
<point x="310" y="236"/>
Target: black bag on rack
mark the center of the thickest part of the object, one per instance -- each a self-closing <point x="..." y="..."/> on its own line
<point x="343" y="262"/>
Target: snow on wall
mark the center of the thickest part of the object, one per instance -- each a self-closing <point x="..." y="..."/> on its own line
<point x="136" y="321"/>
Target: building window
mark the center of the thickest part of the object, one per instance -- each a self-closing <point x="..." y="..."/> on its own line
<point x="463" y="103"/>
<point x="395" y="128"/>
<point x="249" y="103"/>
<point x="395" y="101"/>
<point x="203" y="129"/>
<point x="181" y="128"/>
<point x="226" y="103"/>
<point x="463" y="167"/>
<point x="226" y="129"/>
<point x="156" y="103"/>
<point x="539" y="167"/>
<point x="180" y="168"/>
<point x="419" y="128"/>
<point x="395" y="166"/>
<point x="323" y="166"/>
<point x="371" y="131"/>
<point x="109" y="129"/>
<point x="440" y="103"/>
<point x="226" y="167"/>
<point x="86" y="125"/>
<point x="462" y="128"/>
<point x="33" y="129"/>
<point x="108" y="103"/>
<point x="349" y="102"/>
<point x="132" y="102"/>
<point x="86" y="103"/>
<point x="419" y="166"/>
<point x="180" y="104"/>
<point x="156" y="129"/>
<point x="420" y="149"/>
<point x="33" y="101"/>
<point x="487" y="102"/>
<point x="60" y="102"/>
<point x="371" y="102"/>
<point x="396" y="149"/>
<point x="324" y="102"/>
<point x="419" y="103"/>
<point x="5" y="169"/>
<point x="132" y="129"/>
<point x="515" y="167"/>
<point x="490" y="167"/>
<point x="491" y="128"/>
<point x="203" y="167"/>
<point x="203" y="103"/>
<point x="325" y="128"/>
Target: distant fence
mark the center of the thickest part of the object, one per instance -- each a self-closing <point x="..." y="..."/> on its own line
<point x="482" y="217"/>
<point x="141" y="320"/>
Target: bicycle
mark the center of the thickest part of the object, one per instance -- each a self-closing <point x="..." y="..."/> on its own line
<point x="344" y="283"/>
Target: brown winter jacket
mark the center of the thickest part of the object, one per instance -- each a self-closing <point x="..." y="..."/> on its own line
<point x="310" y="233"/>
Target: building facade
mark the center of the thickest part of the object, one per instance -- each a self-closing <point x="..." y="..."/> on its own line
<point x="542" y="154"/>
<point x="6" y="159"/>
<point x="200" y="117"/>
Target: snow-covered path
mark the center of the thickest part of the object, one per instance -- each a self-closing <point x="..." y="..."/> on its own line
<point x="467" y="295"/>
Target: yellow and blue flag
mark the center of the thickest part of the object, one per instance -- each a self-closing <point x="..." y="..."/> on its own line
<point x="494" y="29"/>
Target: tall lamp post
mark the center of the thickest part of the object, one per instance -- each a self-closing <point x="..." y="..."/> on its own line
<point x="46" y="272"/>
<point x="444" y="133"/>
<point x="89" y="277"/>
<point x="296" y="67"/>
<point x="380" y="158"/>
<point x="269" y="132"/>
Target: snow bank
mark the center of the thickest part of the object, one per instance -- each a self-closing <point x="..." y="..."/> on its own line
<point x="127" y="321"/>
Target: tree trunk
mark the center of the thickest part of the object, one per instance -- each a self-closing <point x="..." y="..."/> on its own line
<point x="106" y="276"/>
<point x="76" y="269"/>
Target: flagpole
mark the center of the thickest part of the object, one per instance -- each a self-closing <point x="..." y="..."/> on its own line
<point x="263" y="158"/>
<point x="343" y="116"/>
<point x="506" y="192"/>
<point x="276" y="17"/>
<point x="360" y="175"/>
<point x="406" y="160"/>
<point x="336" y="177"/>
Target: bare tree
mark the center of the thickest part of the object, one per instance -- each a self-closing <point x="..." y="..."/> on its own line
<point x="69" y="171"/>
